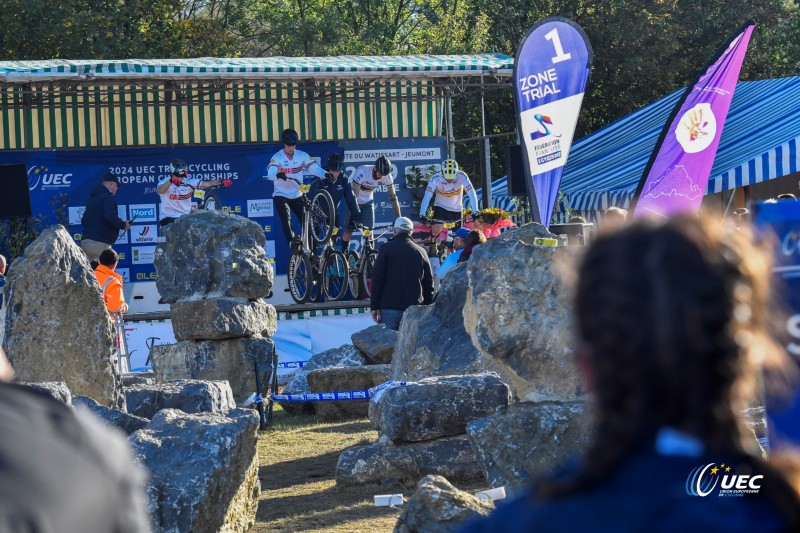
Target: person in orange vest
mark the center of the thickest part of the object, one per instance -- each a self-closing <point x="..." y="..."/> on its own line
<point x="110" y="282"/>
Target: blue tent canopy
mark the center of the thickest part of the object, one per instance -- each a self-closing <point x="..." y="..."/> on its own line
<point x="759" y="142"/>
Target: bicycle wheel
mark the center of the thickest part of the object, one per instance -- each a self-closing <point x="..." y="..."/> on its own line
<point x="334" y="276"/>
<point x="300" y="277"/>
<point x="366" y="279"/>
<point x="321" y="212"/>
<point x="354" y="275"/>
<point x="212" y="202"/>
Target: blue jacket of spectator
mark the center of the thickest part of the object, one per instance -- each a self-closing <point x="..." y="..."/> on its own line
<point x="100" y="220"/>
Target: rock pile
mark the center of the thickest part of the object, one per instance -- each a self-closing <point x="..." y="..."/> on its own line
<point x="358" y="366"/>
<point x="55" y="322"/>
<point x="214" y="271"/>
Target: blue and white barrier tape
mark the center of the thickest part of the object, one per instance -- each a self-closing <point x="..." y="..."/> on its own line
<point x="292" y="364"/>
<point x="338" y="396"/>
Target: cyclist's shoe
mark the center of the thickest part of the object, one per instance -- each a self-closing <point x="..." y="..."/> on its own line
<point x="297" y="244"/>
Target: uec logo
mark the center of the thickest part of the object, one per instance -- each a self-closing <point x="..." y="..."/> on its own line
<point x="703" y="480"/>
<point x="39" y="175"/>
<point x="789" y="244"/>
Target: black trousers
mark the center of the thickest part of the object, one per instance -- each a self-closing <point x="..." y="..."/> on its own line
<point x="285" y="207"/>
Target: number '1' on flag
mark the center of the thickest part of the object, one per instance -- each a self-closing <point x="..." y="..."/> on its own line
<point x="677" y="173"/>
<point x="550" y="72"/>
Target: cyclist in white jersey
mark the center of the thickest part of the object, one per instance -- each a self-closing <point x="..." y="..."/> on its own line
<point x="366" y="179"/>
<point x="449" y="186"/>
<point x="176" y="195"/>
<point x="286" y="170"/>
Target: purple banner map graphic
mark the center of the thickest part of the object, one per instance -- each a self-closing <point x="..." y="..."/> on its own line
<point x="676" y="177"/>
<point x="551" y="70"/>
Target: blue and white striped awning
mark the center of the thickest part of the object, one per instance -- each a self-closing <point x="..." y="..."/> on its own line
<point x="759" y="142"/>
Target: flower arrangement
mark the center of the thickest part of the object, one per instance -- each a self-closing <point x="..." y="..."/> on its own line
<point x="491" y="220"/>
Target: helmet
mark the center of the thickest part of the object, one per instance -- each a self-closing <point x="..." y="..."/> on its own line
<point x="335" y="162"/>
<point x="178" y="167"/>
<point x="449" y="169"/>
<point x="383" y="166"/>
<point x="289" y="137"/>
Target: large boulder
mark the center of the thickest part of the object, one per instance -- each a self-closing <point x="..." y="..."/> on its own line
<point x="529" y="439"/>
<point x="190" y="396"/>
<point x="438" y="507"/>
<point x="388" y="463"/>
<point x="376" y="343"/>
<point x="432" y="340"/>
<point x="123" y="421"/>
<point x="518" y="314"/>
<point x="345" y="355"/>
<point x="57" y="390"/>
<point x="212" y="253"/>
<point x="345" y="378"/>
<point x="231" y="360"/>
<point x="436" y="407"/>
<point x="203" y="470"/>
<point x="222" y="318"/>
<point x="56" y="324"/>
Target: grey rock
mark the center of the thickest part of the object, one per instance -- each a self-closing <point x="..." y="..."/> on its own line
<point x="437" y="407"/>
<point x="432" y="340"/>
<point x="451" y="457"/>
<point x="203" y="471"/>
<point x="190" y="396"/>
<point x="57" y="390"/>
<point x="138" y="378"/>
<point x="345" y="355"/>
<point x="344" y="379"/>
<point x="212" y="253"/>
<point x="755" y="419"/>
<point x="518" y="314"/>
<point x="438" y="507"/>
<point x="231" y="360"/>
<point x="55" y="322"/>
<point x="123" y="421"/>
<point x="376" y="343"/>
<point x="528" y="439"/>
<point x="222" y="318"/>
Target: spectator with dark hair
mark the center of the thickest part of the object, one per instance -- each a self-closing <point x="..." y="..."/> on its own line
<point x="401" y="277"/>
<point x="61" y="469"/>
<point x="673" y="318"/>
<point x="100" y="220"/>
<point x="613" y="219"/>
<point x="111" y="282"/>
<point x="472" y="240"/>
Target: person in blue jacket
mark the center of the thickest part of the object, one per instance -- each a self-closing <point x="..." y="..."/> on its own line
<point x="338" y="186"/>
<point x="101" y="223"/>
<point x="673" y="320"/>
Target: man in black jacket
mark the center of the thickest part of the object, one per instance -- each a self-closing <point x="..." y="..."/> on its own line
<point x="401" y="278"/>
<point x="101" y="223"/>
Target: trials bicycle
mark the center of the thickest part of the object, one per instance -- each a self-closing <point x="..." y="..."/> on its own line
<point x="316" y="268"/>
<point x="204" y="199"/>
<point x="362" y="264"/>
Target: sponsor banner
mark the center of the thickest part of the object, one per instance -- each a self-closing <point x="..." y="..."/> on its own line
<point x="677" y="173"/>
<point x="143" y="212"/>
<point x="780" y="222"/>
<point x="147" y="234"/>
<point x="125" y="273"/>
<point x="142" y="255"/>
<point x="66" y="177"/>
<point x="550" y="73"/>
<point x="260" y="207"/>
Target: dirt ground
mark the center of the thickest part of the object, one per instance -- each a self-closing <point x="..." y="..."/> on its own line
<point x="298" y="492"/>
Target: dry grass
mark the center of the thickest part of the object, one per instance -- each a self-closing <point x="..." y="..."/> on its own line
<point x="298" y="492"/>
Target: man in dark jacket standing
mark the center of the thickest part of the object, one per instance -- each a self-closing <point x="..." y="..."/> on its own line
<point x="401" y="277"/>
<point x="101" y="223"/>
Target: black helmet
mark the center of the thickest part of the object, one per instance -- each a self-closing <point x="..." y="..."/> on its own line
<point x="178" y="167"/>
<point x="289" y="137"/>
<point x="335" y="162"/>
<point x="383" y="166"/>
